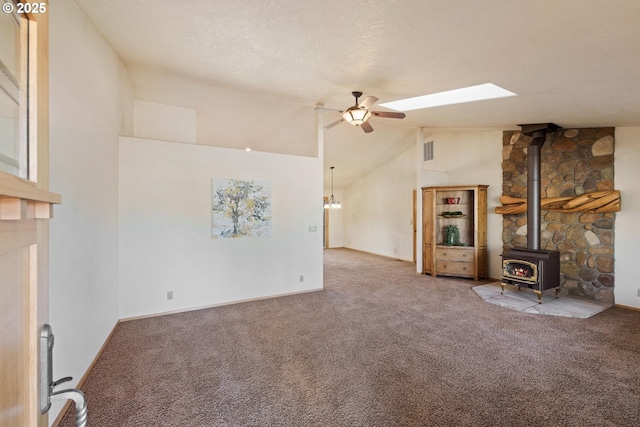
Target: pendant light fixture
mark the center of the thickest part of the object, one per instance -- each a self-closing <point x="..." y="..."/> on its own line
<point x="332" y="203"/>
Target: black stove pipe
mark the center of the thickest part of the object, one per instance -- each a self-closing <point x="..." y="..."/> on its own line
<point x="538" y="134"/>
<point x="534" y="212"/>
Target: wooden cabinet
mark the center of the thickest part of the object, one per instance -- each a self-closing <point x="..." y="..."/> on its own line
<point x="464" y="208"/>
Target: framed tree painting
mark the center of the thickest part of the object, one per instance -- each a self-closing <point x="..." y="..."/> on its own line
<point x="240" y="208"/>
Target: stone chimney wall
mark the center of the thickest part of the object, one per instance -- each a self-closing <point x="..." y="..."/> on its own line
<point x="573" y="162"/>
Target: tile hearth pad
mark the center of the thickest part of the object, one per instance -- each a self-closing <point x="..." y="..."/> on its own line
<point x="526" y="301"/>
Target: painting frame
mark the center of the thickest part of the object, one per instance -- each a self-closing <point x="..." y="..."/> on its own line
<point x="240" y="208"/>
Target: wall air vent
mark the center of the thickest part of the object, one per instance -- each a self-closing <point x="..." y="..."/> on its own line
<point x="427" y="151"/>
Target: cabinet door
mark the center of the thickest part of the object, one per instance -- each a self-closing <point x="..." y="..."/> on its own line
<point x="428" y="216"/>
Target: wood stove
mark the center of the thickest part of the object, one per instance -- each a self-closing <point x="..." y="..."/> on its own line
<point x="530" y="268"/>
<point x="533" y="267"/>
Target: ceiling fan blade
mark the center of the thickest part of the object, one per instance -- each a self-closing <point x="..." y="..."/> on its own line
<point x="366" y="127"/>
<point x="327" y="109"/>
<point x="368" y="102"/>
<point x="388" y="114"/>
<point x="330" y="125"/>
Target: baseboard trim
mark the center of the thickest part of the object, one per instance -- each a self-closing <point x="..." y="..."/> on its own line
<point x="204" y="307"/>
<point x="373" y="253"/>
<point x="67" y="405"/>
<point x="627" y="307"/>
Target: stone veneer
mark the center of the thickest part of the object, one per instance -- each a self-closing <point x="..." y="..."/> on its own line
<point x="573" y="162"/>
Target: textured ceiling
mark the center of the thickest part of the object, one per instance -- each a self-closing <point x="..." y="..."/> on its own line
<point x="574" y="63"/>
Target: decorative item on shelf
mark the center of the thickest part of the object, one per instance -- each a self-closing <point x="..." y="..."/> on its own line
<point x="453" y="200"/>
<point x="332" y="203"/>
<point x="452" y="235"/>
<point x="454" y="214"/>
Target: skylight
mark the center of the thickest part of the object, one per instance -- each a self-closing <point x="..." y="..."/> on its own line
<point x="456" y="96"/>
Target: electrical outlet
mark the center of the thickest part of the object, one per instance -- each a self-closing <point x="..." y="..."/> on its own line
<point x="313" y="228"/>
<point x="169" y="295"/>
<point x="639" y="292"/>
<point x="302" y="279"/>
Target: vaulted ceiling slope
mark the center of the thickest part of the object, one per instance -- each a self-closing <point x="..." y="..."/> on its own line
<point x="264" y="64"/>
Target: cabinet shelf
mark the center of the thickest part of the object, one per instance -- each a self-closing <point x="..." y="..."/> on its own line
<point x="469" y="258"/>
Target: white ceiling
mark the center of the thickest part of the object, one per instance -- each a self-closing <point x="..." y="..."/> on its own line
<point x="574" y="62"/>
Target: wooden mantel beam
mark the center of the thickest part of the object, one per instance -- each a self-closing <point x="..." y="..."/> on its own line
<point x="594" y="202"/>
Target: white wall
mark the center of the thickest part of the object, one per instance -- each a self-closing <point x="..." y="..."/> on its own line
<point x="164" y="122"/>
<point x="430" y="178"/>
<point x="165" y="227"/>
<point x="90" y="105"/>
<point x="441" y="153"/>
<point x="378" y="209"/>
<point x="336" y="221"/>
<point x="226" y="117"/>
<point x="475" y="158"/>
<point x="627" y="232"/>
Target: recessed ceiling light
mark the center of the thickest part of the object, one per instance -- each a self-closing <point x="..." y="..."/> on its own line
<point x="456" y="96"/>
<point x="247" y="149"/>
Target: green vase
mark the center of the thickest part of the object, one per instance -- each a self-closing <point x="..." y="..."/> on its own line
<point x="451" y="235"/>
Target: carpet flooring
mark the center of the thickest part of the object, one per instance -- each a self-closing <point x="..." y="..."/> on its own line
<point x="379" y="346"/>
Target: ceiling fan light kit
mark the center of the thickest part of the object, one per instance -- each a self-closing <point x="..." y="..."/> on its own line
<point x="356" y="116"/>
<point x="359" y="114"/>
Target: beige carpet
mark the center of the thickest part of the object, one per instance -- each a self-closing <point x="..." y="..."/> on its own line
<point x="380" y="346"/>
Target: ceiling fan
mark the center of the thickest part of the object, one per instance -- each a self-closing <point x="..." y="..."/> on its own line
<point x="359" y="114"/>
